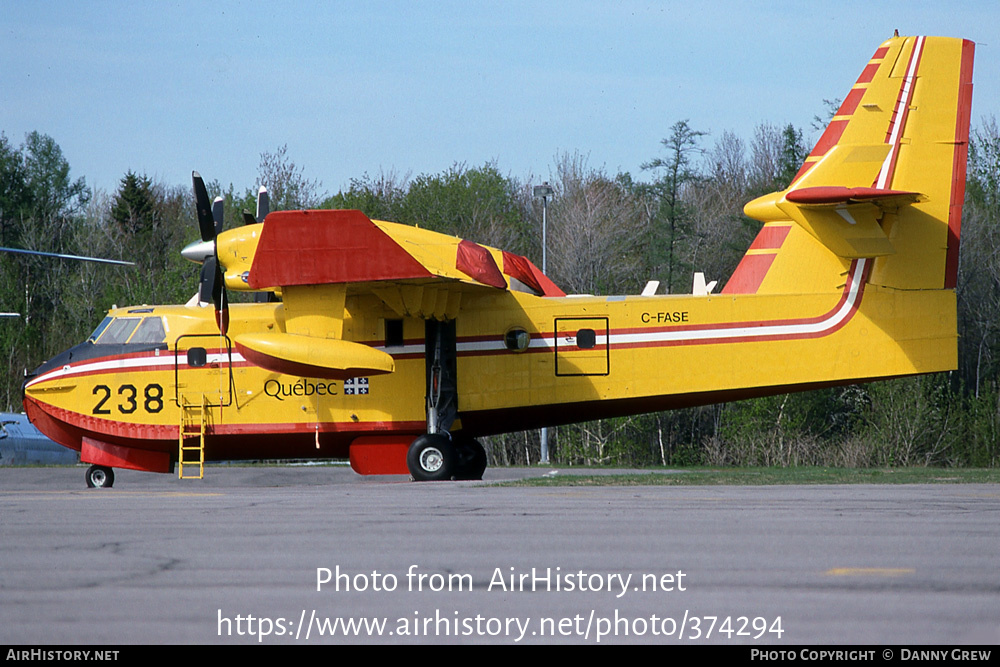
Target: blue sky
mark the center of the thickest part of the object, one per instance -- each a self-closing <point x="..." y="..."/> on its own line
<point x="351" y="88"/>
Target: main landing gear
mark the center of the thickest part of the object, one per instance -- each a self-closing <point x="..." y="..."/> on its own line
<point x="437" y="457"/>
<point x="100" y="477"/>
<point x="440" y="455"/>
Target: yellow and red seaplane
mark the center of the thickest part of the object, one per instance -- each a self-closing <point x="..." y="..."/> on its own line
<point x="397" y="347"/>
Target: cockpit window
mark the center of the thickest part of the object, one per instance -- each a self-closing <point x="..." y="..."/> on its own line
<point x="131" y="330"/>
<point x="99" y="330"/>
<point x="118" y="331"/>
<point x="150" y="331"/>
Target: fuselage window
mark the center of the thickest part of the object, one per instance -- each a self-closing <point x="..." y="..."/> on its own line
<point x="517" y="340"/>
<point x="586" y="339"/>
<point x="197" y="357"/>
<point x="393" y="333"/>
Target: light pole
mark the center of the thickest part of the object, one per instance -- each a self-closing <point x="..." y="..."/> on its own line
<point x="544" y="191"/>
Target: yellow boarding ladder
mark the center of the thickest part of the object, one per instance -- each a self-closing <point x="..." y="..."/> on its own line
<point x="193" y="422"/>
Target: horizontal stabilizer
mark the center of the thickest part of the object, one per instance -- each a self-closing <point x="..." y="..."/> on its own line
<point x="836" y="203"/>
<point x="848" y="230"/>
<point x="845" y="220"/>
<point x="819" y="196"/>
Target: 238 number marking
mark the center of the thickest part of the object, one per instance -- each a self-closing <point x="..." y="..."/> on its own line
<point x="129" y="399"/>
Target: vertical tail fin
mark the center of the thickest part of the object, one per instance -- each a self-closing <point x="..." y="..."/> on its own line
<point x="886" y="180"/>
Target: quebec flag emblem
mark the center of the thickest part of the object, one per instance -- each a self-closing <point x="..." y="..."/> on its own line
<point x="355" y="386"/>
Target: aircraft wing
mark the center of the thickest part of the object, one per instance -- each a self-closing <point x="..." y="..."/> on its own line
<point x="316" y="258"/>
<point x="346" y="247"/>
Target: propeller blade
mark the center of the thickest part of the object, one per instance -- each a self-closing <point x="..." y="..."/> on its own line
<point x="206" y="287"/>
<point x="206" y="222"/>
<point x="248" y="218"/>
<point x="211" y="217"/>
<point x="263" y="204"/>
<point x="220" y="298"/>
<point x="218" y="214"/>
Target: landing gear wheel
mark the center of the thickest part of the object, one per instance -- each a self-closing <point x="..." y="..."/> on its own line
<point x="432" y="458"/>
<point x="471" y="458"/>
<point x="100" y="477"/>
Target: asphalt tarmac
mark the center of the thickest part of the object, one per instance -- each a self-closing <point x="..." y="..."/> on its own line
<point x="290" y="555"/>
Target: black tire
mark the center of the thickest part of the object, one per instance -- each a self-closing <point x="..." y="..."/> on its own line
<point x="471" y="458"/>
<point x="100" y="477"/>
<point x="432" y="458"/>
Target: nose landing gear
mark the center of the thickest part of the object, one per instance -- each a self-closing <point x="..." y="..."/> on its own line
<point x="100" y="477"/>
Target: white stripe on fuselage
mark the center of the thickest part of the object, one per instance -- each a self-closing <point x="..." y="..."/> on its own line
<point x="710" y="332"/>
<point x="123" y="364"/>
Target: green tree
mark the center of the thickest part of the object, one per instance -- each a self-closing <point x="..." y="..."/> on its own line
<point x="380" y="198"/>
<point x="286" y="184"/>
<point x="480" y="204"/>
<point x="672" y="217"/>
<point x="830" y="110"/>
<point x="134" y="209"/>
<point x="42" y="210"/>
<point x="776" y="156"/>
<point x="14" y="194"/>
<point x="720" y="234"/>
<point x="144" y="222"/>
<point x="596" y="227"/>
<point x="793" y="154"/>
<point x="979" y="265"/>
<point x="55" y="201"/>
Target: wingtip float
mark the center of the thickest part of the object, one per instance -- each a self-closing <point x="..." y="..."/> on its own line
<point x="397" y="347"/>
